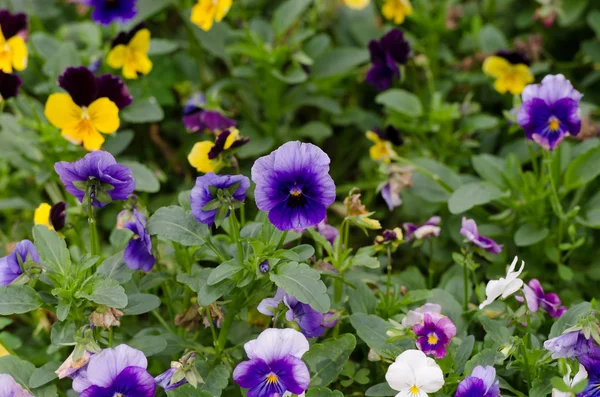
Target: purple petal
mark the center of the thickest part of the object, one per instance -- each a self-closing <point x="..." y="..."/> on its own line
<point x="471" y="387"/>
<point x="201" y="195"/>
<point x="567" y="111"/>
<point x="106" y="366"/>
<point x="80" y="83"/>
<point x="248" y="374"/>
<point x="215" y="121"/>
<point x="487" y="374"/>
<point x="392" y="200"/>
<point x="273" y="344"/>
<point x="555" y="87"/>
<point x="13" y="24"/>
<point x="130" y="382"/>
<point x="394" y="44"/>
<point x="113" y="88"/>
<point x="106" y="12"/>
<point x="380" y="76"/>
<point x="138" y="255"/>
<point x="9" y="85"/>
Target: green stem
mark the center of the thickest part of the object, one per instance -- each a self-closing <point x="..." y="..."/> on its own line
<point x="235" y="227"/>
<point x="110" y="337"/>
<point x="526" y="363"/>
<point x="210" y="245"/>
<point x="528" y="320"/>
<point x="389" y="271"/>
<point x="224" y="332"/>
<point x="282" y="240"/>
<point x="425" y="172"/>
<point x="555" y="200"/>
<point x="94" y="246"/>
<point x="212" y="327"/>
<point x="430" y="266"/>
<point x="161" y="320"/>
<point x="466" y="282"/>
<point x="534" y="162"/>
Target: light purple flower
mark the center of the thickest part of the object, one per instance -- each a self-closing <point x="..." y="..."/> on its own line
<point x="392" y="198"/>
<point x="429" y="228"/>
<point x="327" y="231"/>
<point x="469" y="230"/>
<point x="293" y="185"/>
<point x="311" y="322"/>
<point x="10" y="265"/>
<point x="481" y="383"/>
<point x="138" y="253"/>
<point x="434" y="335"/>
<point x="536" y="298"/>
<point x="550" y="111"/>
<point x="118" y="371"/>
<point x="275" y="364"/>
<point x="197" y="119"/>
<point x="101" y="166"/>
<point x="416" y="316"/>
<point x="570" y="344"/>
<point x="164" y="380"/>
<point x="10" y="388"/>
<point x="201" y="194"/>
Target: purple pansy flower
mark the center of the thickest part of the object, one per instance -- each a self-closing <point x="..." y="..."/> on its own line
<point x="138" y="253"/>
<point x="591" y="363"/>
<point x="481" y="383"/>
<point x="13" y="24"/>
<point x="536" y="298"/>
<point x="201" y="194"/>
<point x="429" y="228"/>
<point x="385" y="56"/>
<point x="10" y="388"/>
<point x="10" y="265"/>
<point x="416" y="316"/>
<point x="9" y="85"/>
<point x="119" y="371"/>
<point x="570" y="344"/>
<point x="107" y="11"/>
<point x="197" y="119"/>
<point x="327" y="231"/>
<point x="311" y="322"/>
<point x="84" y="88"/>
<point x="391" y="198"/>
<point x="434" y="334"/>
<point x="275" y="364"/>
<point x="164" y="380"/>
<point x="293" y="185"/>
<point x="99" y="165"/>
<point x="550" y="111"/>
<point x="469" y="230"/>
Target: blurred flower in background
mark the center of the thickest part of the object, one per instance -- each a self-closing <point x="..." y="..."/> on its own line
<point x="357" y="4"/>
<point x="511" y="71"/>
<point x="129" y="51"/>
<point x="386" y="54"/>
<point x="13" y="33"/>
<point x="9" y="85"/>
<point x="207" y="12"/>
<point x="397" y="10"/>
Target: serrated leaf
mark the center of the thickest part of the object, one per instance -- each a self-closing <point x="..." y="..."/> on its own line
<point x="140" y="304"/>
<point x="18" y="299"/>
<point x="106" y="292"/>
<point x="303" y="282"/>
<point x="114" y="267"/>
<point x="326" y="360"/>
<point x="175" y="224"/>
<point x="52" y="249"/>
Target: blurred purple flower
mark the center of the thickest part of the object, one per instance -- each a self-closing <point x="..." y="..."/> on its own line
<point x="197" y="119"/>
<point x="107" y="11"/>
<point x="570" y="344"/>
<point x="550" y="111"/>
<point x="13" y="24"/>
<point x="201" y="193"/>
<point x="481" y="383"/>
<point x="138" y="253"/>
<point x="429" y="228"/>
<point x="9" y="85"/>
<point x="164" y="380"/>
<point x="327" y="231"/>
<point x="469" y="230"/>
<point x="434" y="335"/>
<point x="10" y="388"/>
<point x="536" y="298"/>
<point x="293" y="185"/>
<point x="385" y="55"/>
<point x="10" y="265"/>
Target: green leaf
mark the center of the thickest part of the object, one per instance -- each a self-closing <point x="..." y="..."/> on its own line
<point x="287" y="14"/>
<point x="571" y="11"/>
<point x="189" y="391"/>
<point x="18" y="299"/>
<point x="114" y="267"/>
<point x="20" y="370"/>
<point x="362" y="299"/>
<point x="373" y="331"/>
<point x="304" y="251"/>
<point x="583" y="169"/>
<point x="496" y="330"/>
<point x="316" y="131"/>
<point x="490" y="168"/>
<point x="327" y="359"/>
<point x="117" y="143"/>
<point x="143" y="111"/>
<point x="210" y="293"/>
<point x="175" y="224"/>
<point x="145" y="180"/>
<point x="303" y="282"/>
<point x="15" y="203"/>
<point x="569" y="319"/>
<point x="401" y="101"/>
<point x="338" y="61"/>
<point x="44" y="374"/>
<point x="380" y="390"/>
<point x="162" y="46"/>
<point x="473" y="194"/>
<point x="52" y="249"/>
<point x="486" y="357"/>
<point x="463" y="353"/>
<point x="45" y="45"/>
<point x="106" y="292"/>
<point x="216" y="377"/>
<point x="593" y="19"/>
<point x="225" y="270"/>
<point x="66" y="55"/>
<point x="323" y="392"/>
<point x="293" y="75"/>
<point x="491" y="39"/>
<point x="529" y="234"/>
<point x="140" y="304"/>
<point x="150" y="344"/>
<point x="62" y="333"/>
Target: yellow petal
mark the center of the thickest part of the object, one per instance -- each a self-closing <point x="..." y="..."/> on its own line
<point x="142" y="63"/>
<point x="524" y="73"/>
<point x="116" y="57"/>
<point x="357" y="4"/>
<point x="198" y="157"/>
<point x="41" y="215"/>
<point x="223" y="7"/>
<point x="104" y="115"/>
<point x="3" y="351"/>
<point x="496" y="66"/>
<point x="140" y="41"/>
<point x="93" y="140"/>
<point x="203" y="14"/>
<point x="373" y="137"/>
<point x="62" y="112"/>
<point x="234" y="135"/>
<point x="6" y="62"/>
<point x="18" y="50"/>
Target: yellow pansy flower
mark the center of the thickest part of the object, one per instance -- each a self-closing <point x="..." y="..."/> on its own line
<point x="13" y="51"/>
<point x="509" y="77"/>
<point x="357" y="4"/>
<point x="130" y="52"/>
<point x="397" y="10"/>
<point x="198" y="158"/>
<point x="206" y="12"/>
<point x="41" y="215"/>
<point x="382" y="149"/>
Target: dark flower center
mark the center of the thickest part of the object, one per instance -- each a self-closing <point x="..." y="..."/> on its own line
<point x="553" y="124"/>
<point x="111" y="4"/>
<point x="296" y="198"/>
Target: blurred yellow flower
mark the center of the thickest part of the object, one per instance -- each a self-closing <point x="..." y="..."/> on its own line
<point x="41" y="215"/>
<point x="3" y="351"/>
<point x="133" y="56"/>
<point x="13" y="53"/>
<point x="382" y="149"/>
<point x="397" y="10"/>
<point x="206" y="12"/>
<point x="509" y="77"/>
<point x="198" y="157"/>
<point x="357" y="4"/>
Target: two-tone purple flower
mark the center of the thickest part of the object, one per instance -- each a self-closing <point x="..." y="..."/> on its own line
<point x="164" y="380"/>
<point x="429" y="228"/>
<point x="569" y="344"/>
<point x="197" y="119"/>
<point x="99" y="167"/>
<point x="536" y="299"/>
<point x="138" y="253"/>
<point x="386" y="54"/>
<point x="275" y="366"/>
<point x="591" y="364"/>
<point x="121" y="371"/>
<point x="106" y="12"/>
<point x="10" y="265"/>
<point x="205" y="192"/>
<point x="311" y="322"/>
<point x="10" y="388"/>
<point x="481" y="383"/>
<point x="294" y="186"/>
<point x="470" y="231"/>
<point x="434" y="334"/>
<point x="550" y="111"/>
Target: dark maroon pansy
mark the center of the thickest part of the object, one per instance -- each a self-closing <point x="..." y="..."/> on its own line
<point x="514" y="57"/>
<point x="9" y="85"/>
<point x="219" y="146"/>
<point x="13" y="24"/>
<point x="85" y="88"/>
<point x="386" y="54"/>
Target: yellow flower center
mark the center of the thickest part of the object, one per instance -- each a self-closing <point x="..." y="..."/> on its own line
<point x="272" y="378"/>
<point x="295" y="192"/>
<point x="432" y="339"/>
<point x="414" y="390"/>
<point x="553" y="124"/>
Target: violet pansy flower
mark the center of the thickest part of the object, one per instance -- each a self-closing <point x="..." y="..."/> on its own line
<point x="470" y="231"/>
<point x="197" y="119"/>
<point x="201" y="193"/>
<point x="138" y="253"/>
<point x="293" y="185"/>
<point x="119" y="371"/>
<point x="100" y="166"/>
<point x="275" y="366"/>
<point x="10" y="265"/>
<point x="416" y="316"/>
<point x="550" y="111"/>
<point x="536" y="299"/>
<point x="386" y="54"/>
<point x="10" y="388"/>
<point x="429" y="228"/>
<point x="106" y="12"/>
<point x="164" y="380"/>
<point x="482" y="383"/>
<point x="570" y="344"/>
<point x="434" y="335"/>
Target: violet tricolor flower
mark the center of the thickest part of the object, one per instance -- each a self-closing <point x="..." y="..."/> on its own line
<point x="469" y="230"/>
<point x="10" y="265"/>
<point x="385" y="55"/>
<point x="536" y="298"/>
<point x="429" y="228"/>
<point x="10" y="388"/>
<point x="481" y="383"/>
<point x="550" y="111"/>
<point x="293" y="185"/>
<point x="107" y="11"/>
<point x="13" y="34"/>
<point x="9" y="85"/>
<point x="164" y="380"/>
<point x="138" y="254"/>
<point x="311" y="322"/>
<point x="197" y="119"/>
<point x="201" y="193"/>
<point x="434" y="335"/>
<point x="275" y="364"/>
<point x="116" y="372"/>
<point x="99" y="167"/>
<point x="570" y="344"/>
<point x="418" y="315"/>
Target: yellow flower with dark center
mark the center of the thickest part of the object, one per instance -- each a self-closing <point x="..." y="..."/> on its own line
<point x="206" y="12"/>
<point x="198" y="158"/>
<point x="509" y="77"/>
<point x="208" y="157"/>
<point x="357" y="4"/>
<point x="129" y="52"/>
<point x="41" y="215"/>
<point x="382" y="149"/>
<point x="397" y="10"/>
<point x="13" y="53"/>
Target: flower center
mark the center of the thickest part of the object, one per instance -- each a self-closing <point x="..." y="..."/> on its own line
<point x="414" y="390"/>
<point x="118" y="395"/>
<point x="85" y="114"/>
<point x="553" y="124"/>
<point x="295" y="192"/>
<point x="272" y="378"/>
<point x="432" y="338"/>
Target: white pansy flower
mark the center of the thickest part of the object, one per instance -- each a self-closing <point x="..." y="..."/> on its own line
<point x="505" y="286"/>
<point x="413" y="374"/>
<point x="579" y="376"/>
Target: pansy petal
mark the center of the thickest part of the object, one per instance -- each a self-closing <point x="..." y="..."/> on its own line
<point x="117" y="56"/>
<point x="104" y="367"/>
<point x="134" y="382"/>
<point x="495" y="66"/>
<point x="80" y="83"/>
<point x="18" y="50"/>
<point x="273" y="344"/>
<point x="61" y="111"/>
<point x="104" y="115"/>
<point x="400" y="376"/>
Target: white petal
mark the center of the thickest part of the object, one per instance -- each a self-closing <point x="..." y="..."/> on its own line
<point x="274" y="343"/>
<point x="512" y="287"/>
<point x="581" y="375"/>
<point x="400" y="376"/>
<point x="511" y="268"/>
<point x="430" y="379"/>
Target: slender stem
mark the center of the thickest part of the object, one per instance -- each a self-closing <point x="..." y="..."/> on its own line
<point x="94" y="247"/>
<point x="389" y="271"/>
<point x="526" y="363"/>
<point x="430" y="266"/>
<point x="555" y="201"/>
<point x="466" y="281"/>
<point x="161" y="320"/>
<point x="110" y="337"/>
<point x="224" y="332"/>
<point x="212" y="327"/>
<point x="210" y="245"/>
<point x="528" y="322"/>
<point x="235" y="227"/>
